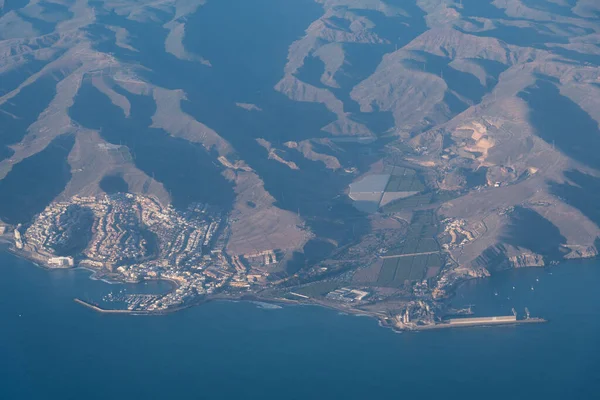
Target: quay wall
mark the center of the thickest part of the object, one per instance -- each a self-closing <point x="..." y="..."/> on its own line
<point x="483" y="320"/>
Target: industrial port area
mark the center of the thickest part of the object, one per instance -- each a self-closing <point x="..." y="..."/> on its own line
<point x="403" y="322"/>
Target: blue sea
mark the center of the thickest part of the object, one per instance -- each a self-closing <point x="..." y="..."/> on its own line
<point x="53" y="348"/>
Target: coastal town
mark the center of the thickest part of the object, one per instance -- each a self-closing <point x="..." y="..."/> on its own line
<point x="132" y="238"/>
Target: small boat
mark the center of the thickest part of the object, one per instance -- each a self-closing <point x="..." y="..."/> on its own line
<point x="532" y="288"/>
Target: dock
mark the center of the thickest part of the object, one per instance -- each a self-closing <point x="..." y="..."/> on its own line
<point x="503" y="319"/>
<point x="99" y="309"/>
<point x="480" y="321"/>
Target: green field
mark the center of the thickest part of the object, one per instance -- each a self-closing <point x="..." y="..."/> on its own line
<point x="395" y="272"/>
<point x="408" y="180"/>
<point x="403" y="269"/>
<point x="404" y="180"/>
<point x="420" y="235"/>
<point x="417" y="270"/>
<point x="434" y="260"/>
<point x="418" y="200"/>
<point x="427" y="245"/>
<point x="388" y="270"/>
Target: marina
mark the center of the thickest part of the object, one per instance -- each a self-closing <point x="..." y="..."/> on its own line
<point x="102" y="310"/>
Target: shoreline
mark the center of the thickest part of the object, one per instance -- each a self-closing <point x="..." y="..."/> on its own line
<point x="454" y="288"/>
<point x="94" y="274"/>
<point x="250" y="298"/>
<point x="282" y="302"/>
<point x="382" y="319"/>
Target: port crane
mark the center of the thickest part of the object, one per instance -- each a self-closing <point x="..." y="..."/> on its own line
<point x="514" y="312"/>
<point x="526" y="313"/>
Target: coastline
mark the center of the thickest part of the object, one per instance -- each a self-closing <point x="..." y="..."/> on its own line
<point x="238" y="325"/>
<point x="384" y="320"/>
<point x="96" y="275"/>
<point x="454" y="288"/>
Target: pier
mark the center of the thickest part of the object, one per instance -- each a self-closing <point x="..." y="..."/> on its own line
<point x="481" y="321"/>
<point x="103" y="310"/>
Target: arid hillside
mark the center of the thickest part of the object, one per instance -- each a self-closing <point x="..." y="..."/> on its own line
<point x="483" y="112"/>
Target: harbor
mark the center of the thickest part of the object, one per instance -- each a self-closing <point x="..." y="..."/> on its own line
<point x="462" y="322"/>
<point x="481" y="322"/>
<point x="135" y="311"/>
<point x="103" y="310"/>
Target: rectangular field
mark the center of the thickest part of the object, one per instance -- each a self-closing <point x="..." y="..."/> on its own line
<point x="396" y="272"/>
<point x="419" y="237"/>
<point x="409" y="202"/>
<point x="403" y="267"/>
<point x="427" y="245"/>
<point x="318" y="289"/>
<point x="418" y="200"/>
<point x="404" y="180"/>
<point x="388" y="270"/>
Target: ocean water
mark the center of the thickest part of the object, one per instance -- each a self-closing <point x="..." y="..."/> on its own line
<point x="53" y="348"/>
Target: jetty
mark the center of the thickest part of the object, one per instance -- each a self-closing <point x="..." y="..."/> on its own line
<point x="102" y="310"/>
<point x="480" y="321"/>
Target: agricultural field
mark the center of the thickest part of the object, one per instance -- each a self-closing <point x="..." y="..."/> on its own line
<point x="404" y="180"/>
<point x="418" y="200"/>
<point x="416" y="257"/>
<point x="395" y="272"/>
<point x="318" y="289"/>
<point x="419" y="237"/>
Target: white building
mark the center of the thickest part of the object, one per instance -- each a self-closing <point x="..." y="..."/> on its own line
<point x="61" y="262"/>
